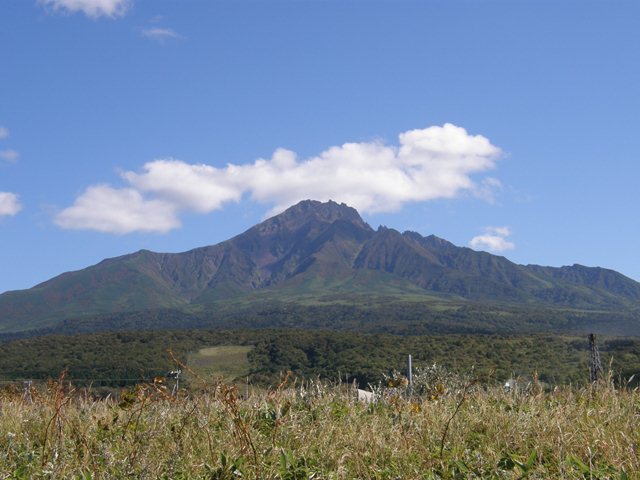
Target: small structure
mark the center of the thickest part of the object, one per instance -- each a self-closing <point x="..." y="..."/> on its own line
<point x="365" y="396"/>
<point x="510" y="385"/>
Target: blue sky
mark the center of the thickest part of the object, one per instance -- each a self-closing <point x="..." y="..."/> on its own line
<point x="508" y="126"/>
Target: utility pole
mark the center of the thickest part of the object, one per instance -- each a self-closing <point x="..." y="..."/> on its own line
<point x="595" y="367"/>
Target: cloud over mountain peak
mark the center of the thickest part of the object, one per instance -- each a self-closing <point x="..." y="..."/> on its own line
<point x="427" y="164"/>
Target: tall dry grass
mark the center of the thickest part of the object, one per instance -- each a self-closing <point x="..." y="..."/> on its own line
<point x="321" y="431"/>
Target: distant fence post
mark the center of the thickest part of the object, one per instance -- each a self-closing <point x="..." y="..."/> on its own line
<point x="27" y="391"/>
<point x="410" y="376"/>
<point x="595" y="367"/>
<point x="175" y="374"/>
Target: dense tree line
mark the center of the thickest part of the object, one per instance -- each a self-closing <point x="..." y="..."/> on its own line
<point x="123" y="358"/>
<point x="379" y="316"/>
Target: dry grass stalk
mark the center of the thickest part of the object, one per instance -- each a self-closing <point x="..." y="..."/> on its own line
<point x="318" y="430"/>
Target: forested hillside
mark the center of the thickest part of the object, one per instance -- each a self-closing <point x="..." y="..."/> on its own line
<point x="127" y="358"/>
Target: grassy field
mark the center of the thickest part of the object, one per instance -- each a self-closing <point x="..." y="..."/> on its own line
<point x="455" y="429"/>
<point x="227" y="361"/>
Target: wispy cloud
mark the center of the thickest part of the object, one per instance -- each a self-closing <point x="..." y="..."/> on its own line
<point x="9" y="155"/>
<point x="160" y="34"/>
<point x="9" y="204"/>
<point x="493" y="240"/>
<point x="487" y="189"/>
<point x="91" y="8"/>
<point x="427" y="164"/>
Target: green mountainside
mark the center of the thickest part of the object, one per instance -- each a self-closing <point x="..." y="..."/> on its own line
<point x="314" y="254"/>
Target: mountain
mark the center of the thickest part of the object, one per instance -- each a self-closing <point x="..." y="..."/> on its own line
<point x="313" y="252"/>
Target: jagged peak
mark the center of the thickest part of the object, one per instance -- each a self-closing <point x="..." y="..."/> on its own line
<point x="438" y="242"/>
<point x="326" y="212"/>
<point x="386" y="231"/>
<point x="430" y="240"/>
<point x="329" y="211"/>
<point x="412" y="235"/>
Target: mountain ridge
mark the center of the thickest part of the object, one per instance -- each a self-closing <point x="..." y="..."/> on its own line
<point x="315" y="245"/>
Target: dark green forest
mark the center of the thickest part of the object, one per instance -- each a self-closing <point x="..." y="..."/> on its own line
<point x="358" y="314"/>
<point x="118" y="359"/>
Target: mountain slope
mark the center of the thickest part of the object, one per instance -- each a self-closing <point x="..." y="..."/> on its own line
<point x="312" y="250"/>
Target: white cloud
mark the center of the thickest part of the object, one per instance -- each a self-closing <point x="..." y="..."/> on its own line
<point x="91" y="8"/>
<point x="373" y="177"/>
<point x="159" y="34"/>
<point x="202" y="188"/>
<point x="110" y="210"/>
<point x="493" y="240"/>
<point x="9" y="155"/>
<point x="431" y="163"/>
<point x="4" y="132"/>
<point x="9" y="204"/>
